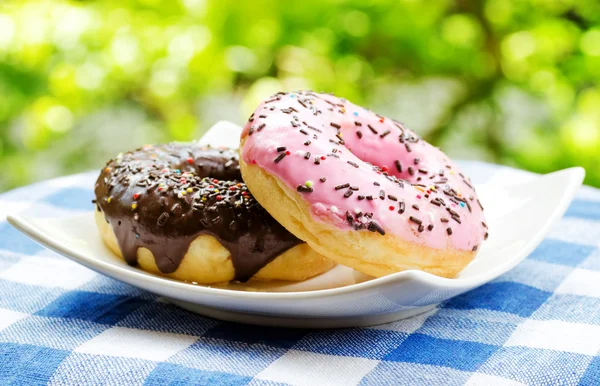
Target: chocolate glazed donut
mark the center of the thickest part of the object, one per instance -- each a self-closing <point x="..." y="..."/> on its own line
<point x="163" y="197"/>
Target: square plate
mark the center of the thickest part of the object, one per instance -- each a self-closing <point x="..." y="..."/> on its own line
<point x="520" y="209"/>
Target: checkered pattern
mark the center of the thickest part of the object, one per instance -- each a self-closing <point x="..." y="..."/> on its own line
<point x="61" y="323"/>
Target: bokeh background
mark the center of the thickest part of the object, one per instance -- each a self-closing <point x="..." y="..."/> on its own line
<point x="506" y="81"/>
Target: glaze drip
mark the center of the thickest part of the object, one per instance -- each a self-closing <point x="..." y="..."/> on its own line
<point x="163" y="197"/>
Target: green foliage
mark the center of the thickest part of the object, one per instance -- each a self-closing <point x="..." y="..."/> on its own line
<point x="509" y="81"/>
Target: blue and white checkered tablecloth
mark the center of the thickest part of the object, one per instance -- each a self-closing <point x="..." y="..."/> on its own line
<point x="63" y="324"/>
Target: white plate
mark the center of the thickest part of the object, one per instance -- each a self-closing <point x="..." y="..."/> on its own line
<point x="518" y="215"/>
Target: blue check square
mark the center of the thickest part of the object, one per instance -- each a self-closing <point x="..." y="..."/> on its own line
<point x="28" y="365"/>
<point x="584" y="209"/>
<point x="269" y="336"/>
<point x="561" y="252"/>
<point x="414" y="374"/>
<point x="592" y="374"/>
<point x="166" y="317"/>
<point x="510" y="297"/>
<point x="92" y="306"/>
<point x="456" y="354"/>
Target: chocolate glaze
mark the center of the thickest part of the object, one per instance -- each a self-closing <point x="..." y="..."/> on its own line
<point x="163" y="197"/>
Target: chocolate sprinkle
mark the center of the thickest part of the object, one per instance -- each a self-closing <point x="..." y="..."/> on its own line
<point x="279" y="158"/>
<point x="375" y="227"/>
<point x="162" y="220"/>
<point x="402" y="207"/>
<point x="398" y="166"/>
<point x="304" y="189"/>
<point x="415" y="220"/>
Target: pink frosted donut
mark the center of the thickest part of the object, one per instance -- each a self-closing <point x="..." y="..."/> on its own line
<point x="360" y="188"/>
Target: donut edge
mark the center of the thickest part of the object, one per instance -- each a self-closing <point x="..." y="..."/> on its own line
<point x="381" y="255"/>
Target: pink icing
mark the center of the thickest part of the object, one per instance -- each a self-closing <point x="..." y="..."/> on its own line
<point x="280" y="128"/>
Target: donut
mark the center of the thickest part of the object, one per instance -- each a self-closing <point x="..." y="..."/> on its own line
<point x="182" y="211"/>
<point x="360" y="188"/>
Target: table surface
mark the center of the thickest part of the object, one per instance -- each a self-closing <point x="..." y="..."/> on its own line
<point x="61" y="323"/>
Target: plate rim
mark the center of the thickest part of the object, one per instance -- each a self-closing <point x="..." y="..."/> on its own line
<point x="26" y="225"/>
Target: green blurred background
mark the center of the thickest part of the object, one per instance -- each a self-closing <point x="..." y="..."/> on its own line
<point x="506" y="81"/>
